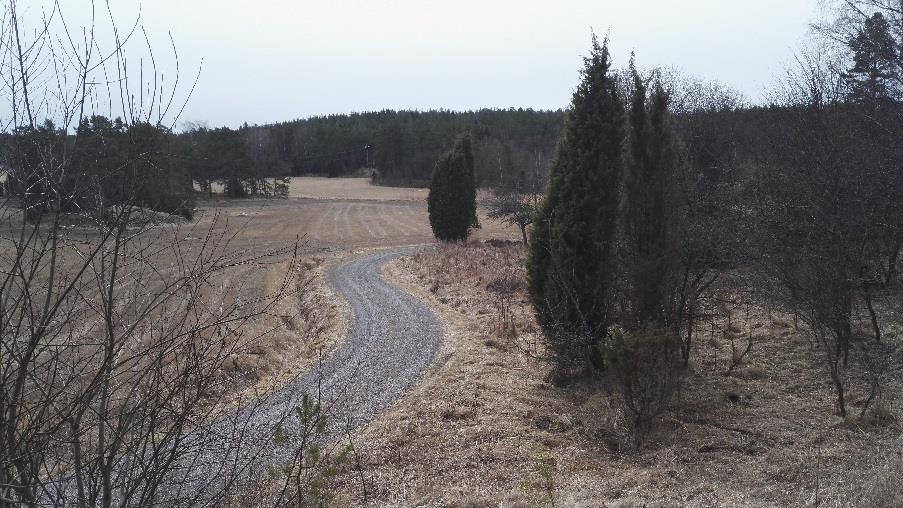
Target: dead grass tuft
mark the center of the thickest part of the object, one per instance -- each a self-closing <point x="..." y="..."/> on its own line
<point x="302" y="328"/>
<point x="458" y="413"/>
<point x="879" y="416"/>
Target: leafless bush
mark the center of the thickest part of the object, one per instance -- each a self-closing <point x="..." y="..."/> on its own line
<point x="505" y="288"/>
<point x="739" y="353"/>
<point x="645" y="370"/>
<point x="115" y="330"/>
<point x="516" y="203"/>
<point x="819" y="214"/>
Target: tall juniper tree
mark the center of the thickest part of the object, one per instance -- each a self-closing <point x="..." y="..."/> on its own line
<point x="652" y="214"/>
<point x="571" y="263"/>
<point x="452" y="198"/>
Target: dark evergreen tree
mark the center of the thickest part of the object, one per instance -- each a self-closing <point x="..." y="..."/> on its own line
<point x="99" y="155"/>
<point x="467" y="148"/>
<point x="652" y="215"/>
<point x="571" y="264"/>
<point x="874" y="53"/>
<point x="153" y="180"/>
<point x="452" y="198"/>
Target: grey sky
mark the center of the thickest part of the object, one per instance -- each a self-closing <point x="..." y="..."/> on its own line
<point x="275" y="60"/>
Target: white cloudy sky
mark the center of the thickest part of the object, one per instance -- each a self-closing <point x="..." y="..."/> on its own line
<point x="274" y="60"/>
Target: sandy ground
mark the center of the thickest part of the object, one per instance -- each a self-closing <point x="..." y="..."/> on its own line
<point x="486" y="428"/>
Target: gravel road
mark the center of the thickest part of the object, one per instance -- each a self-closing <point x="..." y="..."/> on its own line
<point x="393" y="337"/>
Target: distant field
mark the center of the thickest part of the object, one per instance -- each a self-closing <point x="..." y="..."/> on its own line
<point x="335" y="214"/>
<point x="351" y="188"/>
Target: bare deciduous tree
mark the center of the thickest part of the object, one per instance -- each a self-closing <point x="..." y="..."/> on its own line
<point x="118" y="326"/>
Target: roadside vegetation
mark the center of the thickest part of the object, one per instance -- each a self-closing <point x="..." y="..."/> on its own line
<point x="493" y="425"/>
<point x="128" y="332"/>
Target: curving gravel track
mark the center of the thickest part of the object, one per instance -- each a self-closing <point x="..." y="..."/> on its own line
<point x="393" y="337"/>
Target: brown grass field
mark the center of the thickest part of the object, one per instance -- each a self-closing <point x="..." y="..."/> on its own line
<point x="485" y="426"/>
<point x="333" y="214"/>
<point x="338" y="218"/>
<point x="316" y="187"/>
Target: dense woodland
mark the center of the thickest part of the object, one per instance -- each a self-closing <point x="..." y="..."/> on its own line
<point x="401" y="145"/>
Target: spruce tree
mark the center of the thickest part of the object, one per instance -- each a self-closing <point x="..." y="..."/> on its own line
<point x="571" y="265"/>
<point x="452" y="198"/>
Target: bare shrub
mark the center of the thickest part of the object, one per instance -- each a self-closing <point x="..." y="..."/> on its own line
<point x="505" y="288"/>
<point x="879" y="487"/>
<point x="119" y="332"/>
<point x="645" y="370"/>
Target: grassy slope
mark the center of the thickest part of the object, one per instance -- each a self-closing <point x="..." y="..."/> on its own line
<point x="485" y="428"/>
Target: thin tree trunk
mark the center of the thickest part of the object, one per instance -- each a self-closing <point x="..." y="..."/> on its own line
<point x="892" y="257"/>
<point x="689" y="340"/>
<point x="841" y="402"/>
<point x="871" y="308"/>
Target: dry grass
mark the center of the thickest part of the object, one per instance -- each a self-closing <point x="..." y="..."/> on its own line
<point x="305" y="326"/>
<point x="351" y="189"/>
<point x="316" y="187"/>
<point x="484" y="428"/>
<point x="331" y="224"/>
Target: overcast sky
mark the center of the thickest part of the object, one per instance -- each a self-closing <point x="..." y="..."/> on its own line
<point x="276" y="60"/>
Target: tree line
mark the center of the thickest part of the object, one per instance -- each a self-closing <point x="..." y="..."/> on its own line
<point x="107" y="163"/>
<point x="400" y="145"/>
<point x="397" y="147"/>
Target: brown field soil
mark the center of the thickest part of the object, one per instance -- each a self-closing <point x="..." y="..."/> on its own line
<point x="485" y="427"/>
<point x="346" y="213"/>
<point x="317" y="187"/>
<point x="351" y="188"/>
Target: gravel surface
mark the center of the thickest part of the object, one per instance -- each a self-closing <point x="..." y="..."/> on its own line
<point x="393" y="337"/>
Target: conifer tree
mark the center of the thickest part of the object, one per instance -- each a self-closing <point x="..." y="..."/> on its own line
<point x="467" y="148"/>
<point x="651" y="211"/>
<point x="874" y="55"/>
<point x="571" y="265"/>
<point x="452" y="198"/>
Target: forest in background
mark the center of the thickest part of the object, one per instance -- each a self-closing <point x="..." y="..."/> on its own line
<point x="402" y="145"/>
